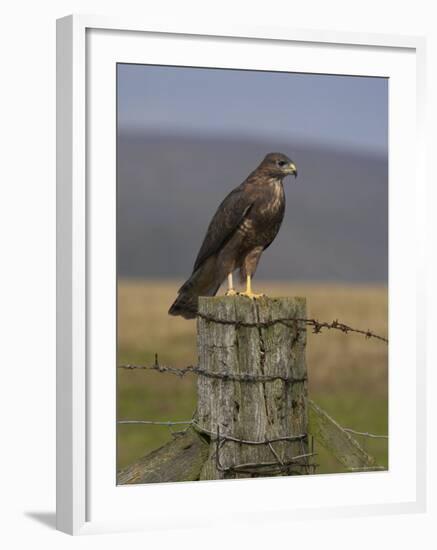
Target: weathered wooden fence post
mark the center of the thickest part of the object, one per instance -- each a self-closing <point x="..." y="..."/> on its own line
<point x="252" y="397"/>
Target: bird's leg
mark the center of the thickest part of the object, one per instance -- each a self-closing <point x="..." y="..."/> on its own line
<point x="230" y="291"/>
<point x="248" y="291"/>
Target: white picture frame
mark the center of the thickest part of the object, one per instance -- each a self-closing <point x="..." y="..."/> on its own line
<point x="81" y="487"/>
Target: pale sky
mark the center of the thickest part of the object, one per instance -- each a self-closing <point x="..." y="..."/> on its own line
<point x="338" y="111"/>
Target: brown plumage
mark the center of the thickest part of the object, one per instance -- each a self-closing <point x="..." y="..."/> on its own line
<point x="244" y="225"/>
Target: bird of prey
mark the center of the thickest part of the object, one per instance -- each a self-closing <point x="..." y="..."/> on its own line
<point x="244" y="225"/>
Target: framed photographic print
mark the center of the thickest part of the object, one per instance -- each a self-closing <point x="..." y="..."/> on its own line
<point x="233" y="287"/>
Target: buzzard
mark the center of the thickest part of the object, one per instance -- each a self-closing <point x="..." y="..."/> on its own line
<point x="244" y="225"/>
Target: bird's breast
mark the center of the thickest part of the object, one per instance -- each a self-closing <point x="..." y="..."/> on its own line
<point x="264" y="220"/>
<point x="273" y="200"/>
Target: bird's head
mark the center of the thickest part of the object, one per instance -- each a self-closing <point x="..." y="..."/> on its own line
<point x="278" y="165"/>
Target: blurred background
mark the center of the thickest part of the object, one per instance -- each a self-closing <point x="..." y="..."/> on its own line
<point x="188" y="136"/>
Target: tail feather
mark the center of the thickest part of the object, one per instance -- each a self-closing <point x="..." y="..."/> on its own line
<point x="205" y="281"/>
<point x="185" y="305"/>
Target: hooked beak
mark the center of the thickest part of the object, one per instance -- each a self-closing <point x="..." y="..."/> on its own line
<point x="292" y="170"/>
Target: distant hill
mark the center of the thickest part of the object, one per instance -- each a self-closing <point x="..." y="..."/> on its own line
<point x="335" y="227"/>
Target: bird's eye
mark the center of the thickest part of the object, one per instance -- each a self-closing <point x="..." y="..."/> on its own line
<point x="281" y="163"/>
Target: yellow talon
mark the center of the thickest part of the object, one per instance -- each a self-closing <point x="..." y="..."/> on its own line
<point x="251" y="295"/>
<point x="248" y="292"/>
<point x="230" y="292"/>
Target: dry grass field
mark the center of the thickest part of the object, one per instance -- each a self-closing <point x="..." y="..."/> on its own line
<point x="348" y="375"/>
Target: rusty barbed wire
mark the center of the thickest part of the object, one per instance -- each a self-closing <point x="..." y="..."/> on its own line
<point x="229" y="376"/>
<point x="317" y="325"/>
